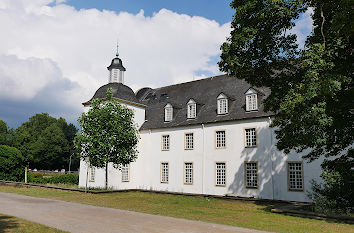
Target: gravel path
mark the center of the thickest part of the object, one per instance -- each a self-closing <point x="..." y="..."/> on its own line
<point x="74" y="217"/>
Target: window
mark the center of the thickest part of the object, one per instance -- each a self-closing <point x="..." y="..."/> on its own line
<point x="189" y="141"/>
<point x="92" y="173"/>
<point x="220" y="139"/>
<point x="125" y="173"/>
<point x="251" y="102"/>
<point x="220" y="174"/>
<point x="251" y="137"/>
<point x="251" y="174"/>
<point x="165" y="142"/>
<point x="188" y="173"/>
<point x="295" y="176"/>
<point x="191" y="109"/>
<point x="222" y="104"/>
<point x="168" y="112"/>
<point x="164" y="172"/>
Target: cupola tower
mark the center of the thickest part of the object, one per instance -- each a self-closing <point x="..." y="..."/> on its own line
<point x="116" y="70"/>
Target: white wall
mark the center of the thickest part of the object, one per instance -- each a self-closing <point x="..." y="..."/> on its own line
<point x="114" y="175"/>
<point x="272" y="172"/>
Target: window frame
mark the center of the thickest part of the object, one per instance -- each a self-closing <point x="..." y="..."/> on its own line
<point x="245" y="174"/>
<point x="219" y="106"/>
<point x="161" y="173"/>
<point x="216" y="139"/>
<point x="185" y="141"/>
<point x="185" y="173"/>
<point x="216" y="174"/>
<point x="168" y="107"/>
<point x="245" y="137"/>
<point x="163" y="142"/>
<point x="193" y="104"/>
<point x="90" y="177"/>
<point x="288" y="176"/>
<point x="127" y="166"/>
<point x="247" y="102"/>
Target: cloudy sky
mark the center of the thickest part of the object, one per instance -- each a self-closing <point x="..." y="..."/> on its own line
<point x="54" y="54"/>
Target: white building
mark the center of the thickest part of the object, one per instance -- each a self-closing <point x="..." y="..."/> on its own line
<point x="209" y="136"/>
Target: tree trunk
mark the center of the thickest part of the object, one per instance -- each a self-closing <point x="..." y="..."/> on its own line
<point x="106" y="175"/>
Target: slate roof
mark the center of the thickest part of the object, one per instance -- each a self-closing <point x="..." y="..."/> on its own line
<point x="204" y="92"/>
<point x="120" y="91"/>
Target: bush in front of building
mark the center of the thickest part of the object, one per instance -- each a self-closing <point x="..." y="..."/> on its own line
<point x="12" y="164"/>
<point x="336" y="193"/>
<point x="42" y="178"/>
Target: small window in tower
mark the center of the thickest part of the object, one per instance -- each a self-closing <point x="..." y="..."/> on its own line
<point x="115" y="75"/>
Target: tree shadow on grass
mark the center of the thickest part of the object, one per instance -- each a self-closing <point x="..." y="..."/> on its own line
<point x="7" y="222"/>
<point x="267" y="206"/>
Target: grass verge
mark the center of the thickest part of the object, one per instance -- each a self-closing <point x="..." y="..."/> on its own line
<point x="254" y="215"/>
<point x="9" y="224"/>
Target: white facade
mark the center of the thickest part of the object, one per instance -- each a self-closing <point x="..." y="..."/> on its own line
<point x="272" y="176"/>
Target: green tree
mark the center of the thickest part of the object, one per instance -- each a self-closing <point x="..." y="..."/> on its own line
<point x="70" y="131"/>
<point x="12" y="164"/>
<point x="3" y="132"/>
<point x="46" y="142"/>
<point x="51" y="149"/>
<point x="108" y="134"/>
<point x="311" y="87"/>
<point x="28" y="134"/>
<point x="335" y="194"/>
<point x="7" y="134"/>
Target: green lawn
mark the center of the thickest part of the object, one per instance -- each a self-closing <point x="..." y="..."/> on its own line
<point x="9" y="224"/>
<point x="230" y="212"/>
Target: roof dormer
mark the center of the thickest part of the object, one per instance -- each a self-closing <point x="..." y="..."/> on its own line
<point x="191" y="109"/>
<point x="251" y="100"/>
<point x="222" y="104"/>
<point x="168" y="112"/>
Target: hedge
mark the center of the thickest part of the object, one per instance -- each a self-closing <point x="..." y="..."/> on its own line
<point x="41" y="178"/>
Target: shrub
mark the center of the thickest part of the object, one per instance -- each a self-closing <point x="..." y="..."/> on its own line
<point x="335" y="194"/>
<point x="39" y="178"/>
<point x="12" y="164"/>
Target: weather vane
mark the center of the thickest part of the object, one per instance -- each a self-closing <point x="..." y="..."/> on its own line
<point x="117" y="54"/>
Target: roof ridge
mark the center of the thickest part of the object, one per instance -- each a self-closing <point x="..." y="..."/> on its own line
<point x="199" y="80"/>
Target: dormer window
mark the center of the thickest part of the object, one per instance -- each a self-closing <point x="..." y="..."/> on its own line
<point x="191" y="109"/>
<point x="168" y="112"/>
<point x="251" y="100"/>
<point x="222" y="104"/>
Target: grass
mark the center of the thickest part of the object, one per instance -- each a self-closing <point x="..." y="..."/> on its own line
<point x="254" y="215"/>
<point x="9" y="224"/>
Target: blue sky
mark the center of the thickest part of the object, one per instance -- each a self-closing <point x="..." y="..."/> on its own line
<point x="218" y="10"/>
<point x="54" y="57"/>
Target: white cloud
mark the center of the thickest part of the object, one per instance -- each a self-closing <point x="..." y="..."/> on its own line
<point x="59" y="42"/>
<point x="24" y="78"/>
<point x="303" y="27"/>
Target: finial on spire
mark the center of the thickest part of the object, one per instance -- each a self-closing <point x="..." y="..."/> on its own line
<point x="117" y="54"/>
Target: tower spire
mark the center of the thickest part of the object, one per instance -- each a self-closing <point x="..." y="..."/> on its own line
<point x="117" y="53"/>
<point x="116" y="69"/>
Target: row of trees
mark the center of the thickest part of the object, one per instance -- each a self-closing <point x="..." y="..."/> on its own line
<point x="44" y="141"/>
<point x="109" y="135"/>
<point x="311" y="86"/>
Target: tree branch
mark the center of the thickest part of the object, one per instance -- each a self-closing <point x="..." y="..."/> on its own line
<point x="323" y="21"/>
